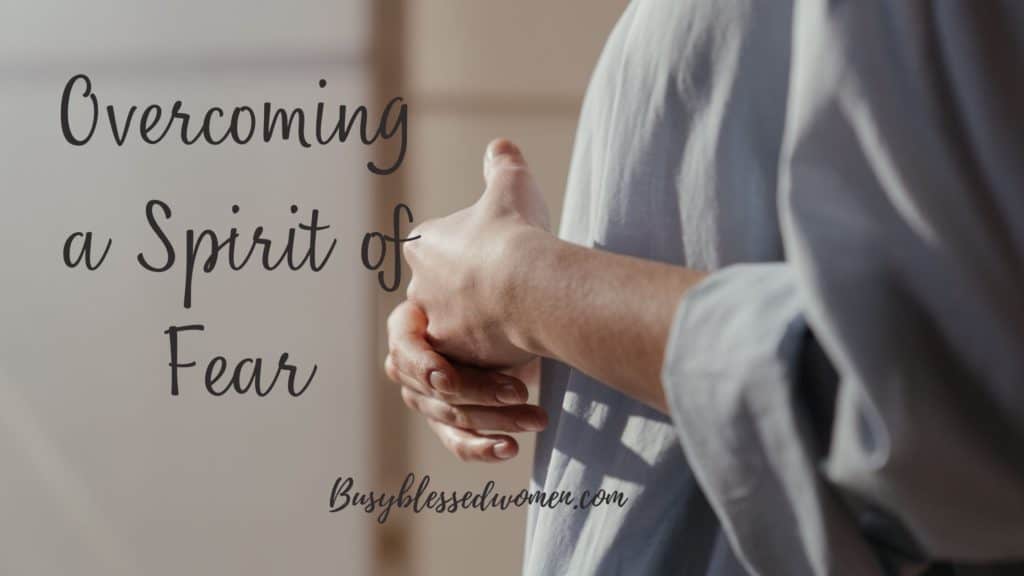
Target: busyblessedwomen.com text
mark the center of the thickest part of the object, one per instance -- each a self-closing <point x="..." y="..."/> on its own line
<point x="306" y="245"/>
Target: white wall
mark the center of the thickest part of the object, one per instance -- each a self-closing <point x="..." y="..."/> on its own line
<point x="101" y="470"/>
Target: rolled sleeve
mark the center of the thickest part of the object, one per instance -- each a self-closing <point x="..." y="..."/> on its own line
<point x="730" y="376"/>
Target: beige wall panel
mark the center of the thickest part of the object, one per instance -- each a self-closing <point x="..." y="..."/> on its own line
<point x="469" y="541"/>
<point x="446" y="155"/>
<point x="185" y="33"/>
<point x="528" y="47"/>
<point x="104" y="472"/>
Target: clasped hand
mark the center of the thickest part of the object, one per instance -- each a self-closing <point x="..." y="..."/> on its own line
<point x="452" y="345"/>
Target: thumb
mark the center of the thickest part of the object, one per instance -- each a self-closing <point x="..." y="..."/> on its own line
<point x="501" y="155"/>
<point x="510" y="183"/>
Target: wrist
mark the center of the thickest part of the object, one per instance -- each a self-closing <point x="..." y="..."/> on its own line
<point x="519" y="277"/>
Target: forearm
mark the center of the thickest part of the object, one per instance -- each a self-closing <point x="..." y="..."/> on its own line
<point x="605" y="314"/>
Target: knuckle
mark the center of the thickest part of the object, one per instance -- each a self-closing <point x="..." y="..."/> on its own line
<point x="396" y="317"/>
<point x="462" y="452"/>
<point x="396" y="339"/>
<point x="456" y="416"/>
<point x="410" y="399"/>
<point x="428" y="362"/>
<point x="423" y="368"/>
<point x="389" y="368"/>
<point x="397" y="356"/>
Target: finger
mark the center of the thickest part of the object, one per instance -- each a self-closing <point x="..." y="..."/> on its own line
<point x="485" y="388"/>
<point x="501" y="154"/>
<point x="511" y="185"/>
<point x="471" y="447"/>
<point x="521" y="418"/>
<point x="409" y="364"/>
<point x="470" y="385"/>
<point x="410" y="360"/>
<point x="407" y="318"/>
<point x="528" y="373"/>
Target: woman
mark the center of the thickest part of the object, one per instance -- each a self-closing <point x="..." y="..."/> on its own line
<point x="792" y="246"/>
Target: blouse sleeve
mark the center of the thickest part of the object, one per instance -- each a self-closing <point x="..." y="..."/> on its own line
<point x="859" y="407"/>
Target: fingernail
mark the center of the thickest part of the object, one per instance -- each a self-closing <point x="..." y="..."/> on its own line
<point x="509" y="394"/>
<point x="531" y="424"/>
<point x="504" y="450"/>
<point x="500" y="147"/>
<point x="439" y="381"/>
